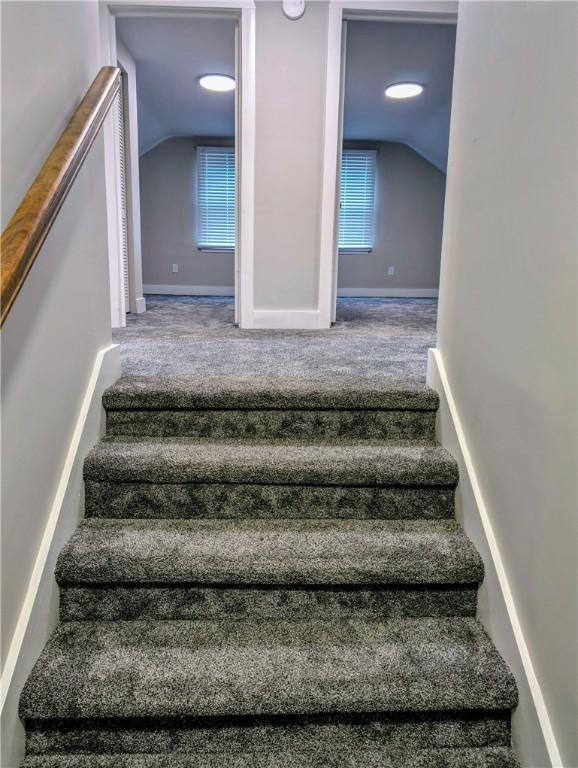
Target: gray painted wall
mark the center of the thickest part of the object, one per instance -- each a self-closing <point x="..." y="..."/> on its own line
<point x="507" y="313"/>
<point x="168" y="219"/>
<point x="409" y="219"/>
<point x="408" y="223"/>
<point x="290" y="59"/>
<point x="50" y="55"/>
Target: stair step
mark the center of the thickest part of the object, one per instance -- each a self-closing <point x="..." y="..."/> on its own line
<point x="200" y="668"/>
<point x="187" y="392"/>
<point x="182" y="407"/>
<point x="488" y="757"/>
<point x="199" y="461"/>
<point x="202" y="568"/>
<point x="191" y="478"/>
<point x="312" y="552"/>
<point x="401" y="731"/>
<point x="267" y="424"/>
<point x="112" y="602"/>
<point x="251" y="500"/>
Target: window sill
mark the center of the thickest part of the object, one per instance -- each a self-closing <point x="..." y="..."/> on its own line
<point x="355" y="250"/>
<point x="216" y="249"/>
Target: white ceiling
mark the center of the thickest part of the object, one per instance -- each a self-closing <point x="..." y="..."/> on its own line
<point x="170" y="56"/>
<point x="381" y="53"/>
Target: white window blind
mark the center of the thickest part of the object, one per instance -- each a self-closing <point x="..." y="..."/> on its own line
<point x="356" y="199"/>
<point x="216" y="193"/>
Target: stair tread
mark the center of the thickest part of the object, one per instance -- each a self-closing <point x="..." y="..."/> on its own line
<point x="214" y="668"/>
<point x="135" y="392"/>
<point x="487" y="757"/>
<point x="266" y="552"/>
<point x="239" y="461"/>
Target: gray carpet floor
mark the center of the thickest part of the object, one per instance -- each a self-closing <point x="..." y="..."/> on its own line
<point x="373" y="339"/>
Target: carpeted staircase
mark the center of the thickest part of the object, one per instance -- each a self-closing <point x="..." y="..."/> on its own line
<point x="269" y="579"/>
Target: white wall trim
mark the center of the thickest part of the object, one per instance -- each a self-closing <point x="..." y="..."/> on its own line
<point x="112" y="180"/>
<point x="389" y="10"/>
<point x="385" y="293"/>
<point x="245" y="261"/>
<point x="226" y="290"/>
<point x="181" y="7"/>
<point x="190" y="290"/>
<point x="39" y="614"/>
<point x="244" y="11"/>
<point x="130" y="113"/>
<point x="285" y="319"/>
<point x="532" y="732"/>
<point x="63" y="482"/>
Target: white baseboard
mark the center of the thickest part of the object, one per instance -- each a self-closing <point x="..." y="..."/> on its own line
<point x="39" y="612"/>
<point x="141" y="305"/>
<point x="283" y="319"/>
<point x="532" y="733"/>
<point x="224" y="290"/>
<point x="190" y="290"/>
<point x="388" y="293"/>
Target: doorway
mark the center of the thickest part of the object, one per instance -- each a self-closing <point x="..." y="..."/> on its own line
<point x="385" y="157"/>
<point x="178" y="148"/>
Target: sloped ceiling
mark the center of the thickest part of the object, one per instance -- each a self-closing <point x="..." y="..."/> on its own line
<point x="170" y="55"/>
<point x="381" y="53"/>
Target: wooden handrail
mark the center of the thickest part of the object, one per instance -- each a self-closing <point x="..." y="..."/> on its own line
<point x="29" y="226"/>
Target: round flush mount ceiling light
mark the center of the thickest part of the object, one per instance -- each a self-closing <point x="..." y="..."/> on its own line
<point x="403" y="90"/>
<point x="219" y="83"/>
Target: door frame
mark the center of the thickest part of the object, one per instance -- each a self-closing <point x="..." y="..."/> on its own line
<point x="130" y="114"/>
<point x="340" y="11"/>
<point x="243" y="11"/>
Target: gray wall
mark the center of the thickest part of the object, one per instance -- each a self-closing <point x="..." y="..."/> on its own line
<point x="408" y="223"/>
<point x="507" y="312"/>
<point x="168" y="219"/>
<point x="290" y="60"/>
<point x="50" y="55"/>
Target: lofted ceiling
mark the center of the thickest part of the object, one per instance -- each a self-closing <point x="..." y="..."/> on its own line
<point x="381" y="53"/>
<point x="170" y="56"/>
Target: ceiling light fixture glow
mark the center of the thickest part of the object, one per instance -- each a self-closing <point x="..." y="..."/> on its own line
<point x="220" y="83"/>
<point x="403" y="90"/>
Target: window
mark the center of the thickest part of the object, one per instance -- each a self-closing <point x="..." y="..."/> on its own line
<point x="216" y="198"/>
<point x="356" y="200"/>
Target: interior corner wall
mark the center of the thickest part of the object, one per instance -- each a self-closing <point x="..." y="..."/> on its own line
<point x="168" y="220"/>
<point x="290" y="60"/>
<point x="409" y="212"/>
<point x="61" y="318"/>
<point x="507" y="327"/>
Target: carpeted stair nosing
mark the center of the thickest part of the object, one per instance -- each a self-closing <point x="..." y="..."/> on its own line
<point x="176" y="668"/>
<point x="179" y="392"/>
<point x="188" y="460"/>
<point x="269" y="552"/>
<point x="399" y="731"/>
<point x="489" y="757"/>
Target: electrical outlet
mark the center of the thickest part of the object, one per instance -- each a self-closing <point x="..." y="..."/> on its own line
<point x="391" y="270"/>
<point x="175" y="267"/>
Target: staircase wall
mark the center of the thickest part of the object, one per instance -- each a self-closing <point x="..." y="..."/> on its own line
<point x="50" y="341"/>
<point x="507" y="316"/>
